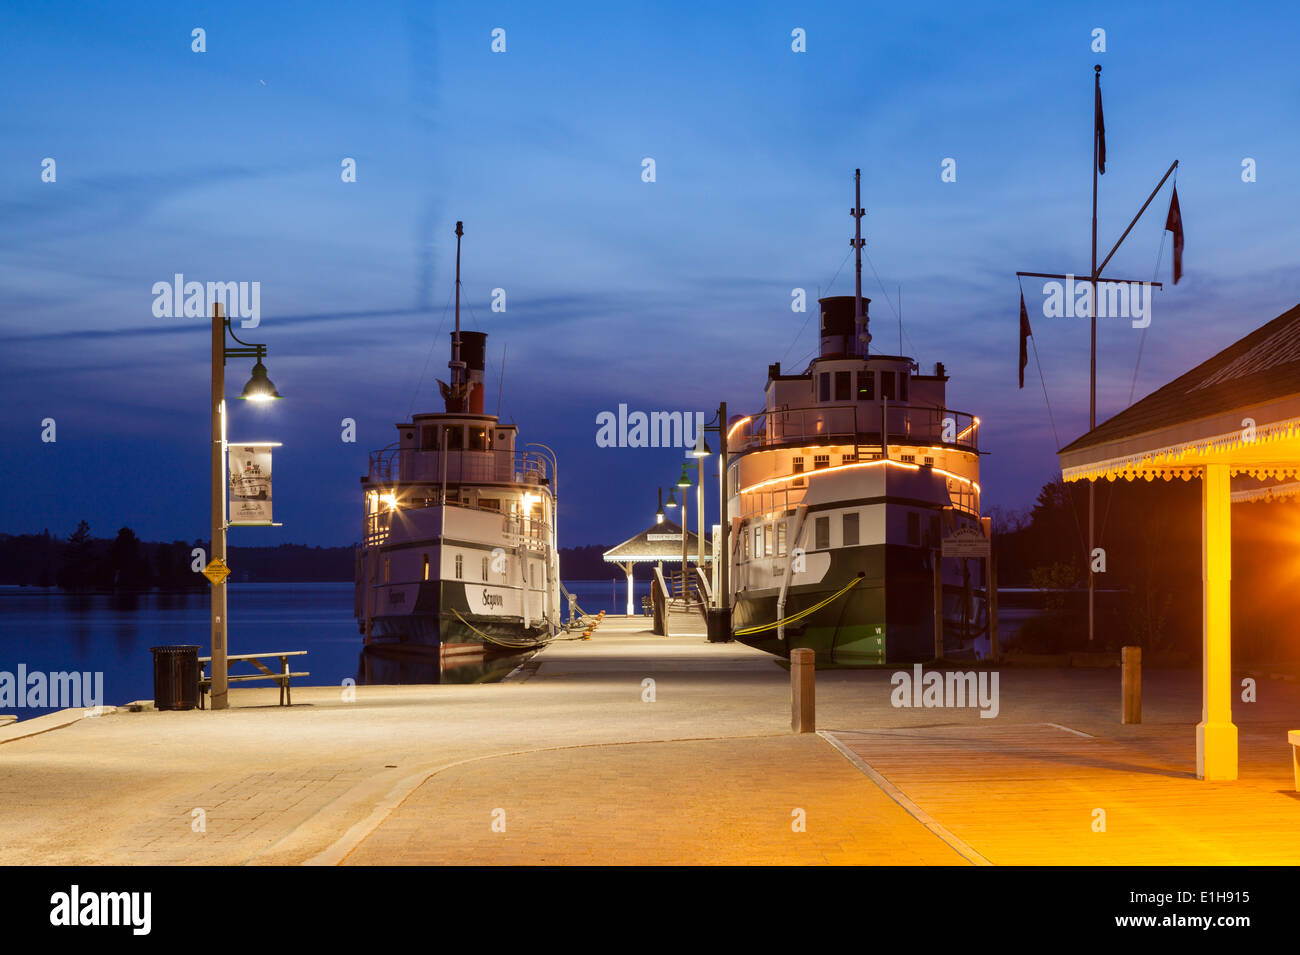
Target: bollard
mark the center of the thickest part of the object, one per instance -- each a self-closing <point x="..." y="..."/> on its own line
<point x="803" y="696"/>
<point x="1132" y="681"/>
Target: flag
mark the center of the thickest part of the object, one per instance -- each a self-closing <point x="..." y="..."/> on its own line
<point x="1174" y="224"/>
<point x="1099" y="131"/>
<point x="1025" y="332"/>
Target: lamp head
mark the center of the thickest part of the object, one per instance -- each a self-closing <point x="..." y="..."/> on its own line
<point x="259" y="387"/>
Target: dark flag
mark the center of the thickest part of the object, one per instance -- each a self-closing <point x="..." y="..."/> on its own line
<point x="1174" y="224"/>
<point x="1100" y="131"/>
<point x="1025" y="332"/>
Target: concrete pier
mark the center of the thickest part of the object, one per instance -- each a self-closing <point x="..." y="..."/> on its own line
<point x="631" y="748"/>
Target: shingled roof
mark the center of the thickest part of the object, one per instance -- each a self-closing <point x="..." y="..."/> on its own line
<point x="1260" y="371"/>
<point x="656" y="542"/>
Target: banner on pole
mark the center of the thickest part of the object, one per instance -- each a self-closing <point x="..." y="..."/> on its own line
<point x="250" y="483"/>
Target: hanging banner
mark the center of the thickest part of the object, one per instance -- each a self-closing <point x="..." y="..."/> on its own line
<point x="250" y="484"/>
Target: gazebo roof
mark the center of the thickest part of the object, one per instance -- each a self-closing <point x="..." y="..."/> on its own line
<point x="1241" y="407"/>
<point x="657" y="542"/>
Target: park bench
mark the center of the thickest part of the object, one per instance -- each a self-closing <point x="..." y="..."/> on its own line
<point x="1293" y="738"/>
<point x="282" y="678"/>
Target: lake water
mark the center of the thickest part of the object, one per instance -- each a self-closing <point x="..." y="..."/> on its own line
<point x="49" y="631"/>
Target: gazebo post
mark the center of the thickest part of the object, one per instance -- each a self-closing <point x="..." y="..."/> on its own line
<point x="1216" y="735"/>
<point x="628" y="566"/>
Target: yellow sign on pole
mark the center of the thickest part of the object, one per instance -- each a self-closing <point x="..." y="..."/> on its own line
<point x="216" y="571"/>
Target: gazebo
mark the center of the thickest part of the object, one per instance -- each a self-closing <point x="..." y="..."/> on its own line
<point x="1235" y="415"/>
<point x="658" y="542"/>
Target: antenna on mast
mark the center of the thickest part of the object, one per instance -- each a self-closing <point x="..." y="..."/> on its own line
<point x="862" y="337"/>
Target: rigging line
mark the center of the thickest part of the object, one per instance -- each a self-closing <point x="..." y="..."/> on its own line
<point x="432" y="345"/>
<point x="1055" y="436"/>
<point x="810" y="314"/>
<point x="1155" y="273"/>
<point x="898" y="316"/>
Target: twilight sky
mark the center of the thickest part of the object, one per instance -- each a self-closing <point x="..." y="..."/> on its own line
<point x="671" y="295"/>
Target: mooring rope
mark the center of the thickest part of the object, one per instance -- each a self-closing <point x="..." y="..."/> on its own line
<point x="805" y="612"/>
<point x="497" y="641"/>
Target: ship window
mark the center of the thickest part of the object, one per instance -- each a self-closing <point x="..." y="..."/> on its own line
<point x="479" y="439"/>
<point x="426" y="566"/>
<point x="758" y="540"/>
<point x="908" y="458"/>
<point x="843" y="385"/>
<point x="455" y="437"/>
<point x="902" y="386"/>
<point x="460" y="566"/>
<point x="767" y="542"/>
<point x="824" y="386"/>
<point x="489" y="503"/>
<point x="798" y="469"/>
<point x="850" y="530"/>
<point x="821" y="461"/>
<point x="913" y="528"/>
<point x="780" y="539"/>
<point x="866" y="385"/>
<point x="485" y="568"/>
<point x="887" y="385"/>
<point x="848" y="458"/>
<point x="429" y="438"/>
<point x="822" y="533"/>
<point x="388" y="566"/>
<point x="746" y="538"/>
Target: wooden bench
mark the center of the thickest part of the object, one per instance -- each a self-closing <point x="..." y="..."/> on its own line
<point x="282" y="678"/>
<point x="647" y="608"/>
<point x="1293" y="738"/>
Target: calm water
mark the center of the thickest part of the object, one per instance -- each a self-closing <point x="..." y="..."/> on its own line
<point x="50" y="631"/>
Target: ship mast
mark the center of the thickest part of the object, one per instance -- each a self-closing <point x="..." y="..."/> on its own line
<point x="456" y="365"/>
<point x="861" y="338"/>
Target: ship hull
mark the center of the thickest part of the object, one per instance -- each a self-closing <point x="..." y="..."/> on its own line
<point x="887" y="617"/>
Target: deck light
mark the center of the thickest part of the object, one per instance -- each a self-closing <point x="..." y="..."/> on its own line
<point x="672" y="498"/>
<point x="684" y="480"/>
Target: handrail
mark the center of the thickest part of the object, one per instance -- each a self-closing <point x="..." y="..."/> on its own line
<point x="858" y="424"/>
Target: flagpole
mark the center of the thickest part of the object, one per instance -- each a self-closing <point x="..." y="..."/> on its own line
<point x="1092" y="363"/>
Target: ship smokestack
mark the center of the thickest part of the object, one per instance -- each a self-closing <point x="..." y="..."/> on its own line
<point x="473" y="350"/>
<point x="840" y="337"/>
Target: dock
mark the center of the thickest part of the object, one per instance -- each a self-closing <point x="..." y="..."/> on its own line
<point x="630" y="748"/>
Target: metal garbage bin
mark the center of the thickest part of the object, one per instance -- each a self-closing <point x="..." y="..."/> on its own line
<point x="175" y="677"/>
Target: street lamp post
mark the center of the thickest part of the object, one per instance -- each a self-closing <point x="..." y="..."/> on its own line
<point x="258" y="389"/>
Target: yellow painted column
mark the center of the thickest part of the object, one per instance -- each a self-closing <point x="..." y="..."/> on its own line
<point x="1216" y="735"/>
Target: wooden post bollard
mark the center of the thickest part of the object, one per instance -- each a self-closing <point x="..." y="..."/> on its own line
<point x="803" y="694"/>
<point x="1132" y="679"/>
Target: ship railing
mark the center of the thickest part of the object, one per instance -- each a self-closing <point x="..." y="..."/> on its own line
<point x="459" y="466"/>
<point x="518" y="530"/>
<point x="863" y="425"/>
<point x="962" y="497"/>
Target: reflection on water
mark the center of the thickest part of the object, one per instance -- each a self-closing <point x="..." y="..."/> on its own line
<point x="388" y="664"/>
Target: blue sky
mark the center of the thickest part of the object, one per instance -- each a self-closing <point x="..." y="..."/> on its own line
<point x="225" y="165"/>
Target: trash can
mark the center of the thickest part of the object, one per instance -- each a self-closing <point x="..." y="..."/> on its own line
<point x="175" y="677"/>
<point x="719" y="625"/>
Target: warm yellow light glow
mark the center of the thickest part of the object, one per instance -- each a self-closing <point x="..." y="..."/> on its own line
<point x="260" y="398"/>
<point x="389" y="499"/>
<point x="529" y="500"/>
<point x="742" y="421"/>
<point x="859" y="464"/>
